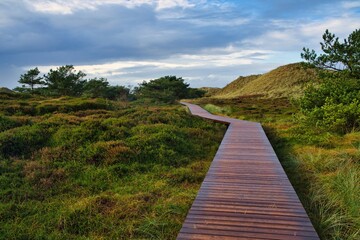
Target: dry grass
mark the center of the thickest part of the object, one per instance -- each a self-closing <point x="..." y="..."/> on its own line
<point x="285" y="81"/>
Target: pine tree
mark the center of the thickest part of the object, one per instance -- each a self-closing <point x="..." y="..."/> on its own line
<point x="340" y="57"/>
<point x="31" y="78"/>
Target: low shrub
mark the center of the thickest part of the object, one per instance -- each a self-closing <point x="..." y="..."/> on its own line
<point x="23" y="140"/>
<point x="106" y="153"/>
<point x="218" y="110"/>
<point x="333" y="105"/>
<point x="74" y="136"/>
<point x="160" y="143"/>
<point x="6" y="123"/>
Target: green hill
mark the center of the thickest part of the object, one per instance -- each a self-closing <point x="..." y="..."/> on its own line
<point x="5" y="90"/>
<point x="210" y="91"/>
<point x="284" y="81"/>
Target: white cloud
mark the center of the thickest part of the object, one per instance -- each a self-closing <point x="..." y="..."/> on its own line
<point x="210" y="61"/>
<point x="293" y="35"/>
<point x="227" y="58"/>
<point x="350" y="4"/>
<point x="164" y="4"/>
<point x="124" y="67"/>
<point x="70" y="6"/>
<point x="218" y="22"/>
<point x="340" y="26"/>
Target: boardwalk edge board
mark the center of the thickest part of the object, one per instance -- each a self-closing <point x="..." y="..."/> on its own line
<point x="246" y="193"/>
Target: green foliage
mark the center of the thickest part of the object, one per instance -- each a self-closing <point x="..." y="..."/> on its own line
<point x="218" y="110"/>
<point x="107" y="153"/>
<point x="7" y="123"/>
<point x="96" y="87"/>
<point x="79" y="171"/>
<point x="35" y="107"/>
<point x="195" y="93"/>
<point x="31" y="78"/>
<point x="65" y="81"/>
<point x="4" y="90"/>
<point x="22" y="140"/>
<point x="67" y="136"/>
<point x="100" y="88"/>
<point x="166" y="89"/>
<point x="161" y="143"/>
<point x="343" y="57"/>
<point x="334" y="103"/>
<point x="120" y="93"/>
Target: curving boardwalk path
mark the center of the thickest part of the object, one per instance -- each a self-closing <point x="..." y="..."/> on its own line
<point x="246" y="193"/>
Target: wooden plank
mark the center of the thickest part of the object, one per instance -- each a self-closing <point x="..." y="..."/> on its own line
<point x="246" y="193"/>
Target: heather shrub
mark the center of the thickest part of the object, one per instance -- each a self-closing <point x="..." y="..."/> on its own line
<point x="73" y="136"/>
<point x="106" y="153"/>
<point x="160" y="143"/>
<point x="23" y="140"/>
<point x="7" y="123"/>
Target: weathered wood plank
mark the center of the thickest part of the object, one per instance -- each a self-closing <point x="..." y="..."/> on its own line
<point x="246" y="193"/>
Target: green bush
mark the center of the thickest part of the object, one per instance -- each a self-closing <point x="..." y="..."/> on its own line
<point x="7" y="123"/>
<point x="72" y="106"/>
<point x="22" y="140"/>
<point x="18" y="109"/>
<point x="166" y="89"/>
<point x="333" y="105"/>
<point x="107" y="153"/>
<point x="72" y="136"/>
<point x="160" y="143"/>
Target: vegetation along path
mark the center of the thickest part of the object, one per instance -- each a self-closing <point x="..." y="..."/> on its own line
<point x="246" y="193"/>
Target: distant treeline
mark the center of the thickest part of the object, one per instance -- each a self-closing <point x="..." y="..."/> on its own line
<point x="66" y="81"/>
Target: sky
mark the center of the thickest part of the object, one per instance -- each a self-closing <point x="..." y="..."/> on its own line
<point x="206" y="42"/>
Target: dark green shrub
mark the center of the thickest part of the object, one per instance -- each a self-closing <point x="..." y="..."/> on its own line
<point x="85" y="105"/>
<point x="46" y="108"/>
<point x="333" y="105"/>
<point x="72" y="106"/>
<point x="7" y="123"/>
<point x="114" y="133"/>
<point x="72" y="136"/>
<point x="185" y="175"/>
<point x="166" y="89"/>
<point x="106" y="153"/>
<point x="18" y="109"/>
<point x="160" y="143"/>
<point x="23" y="140"/>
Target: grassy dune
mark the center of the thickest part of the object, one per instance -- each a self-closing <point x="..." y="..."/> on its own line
<point x="94" y="169"/>
<point x="288" y="80"/>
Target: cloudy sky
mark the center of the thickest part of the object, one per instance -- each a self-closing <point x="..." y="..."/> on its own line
<point x="207" y="42"/>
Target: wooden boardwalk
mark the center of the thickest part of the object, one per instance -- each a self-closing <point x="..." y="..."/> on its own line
<point x="246" y="193"/>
